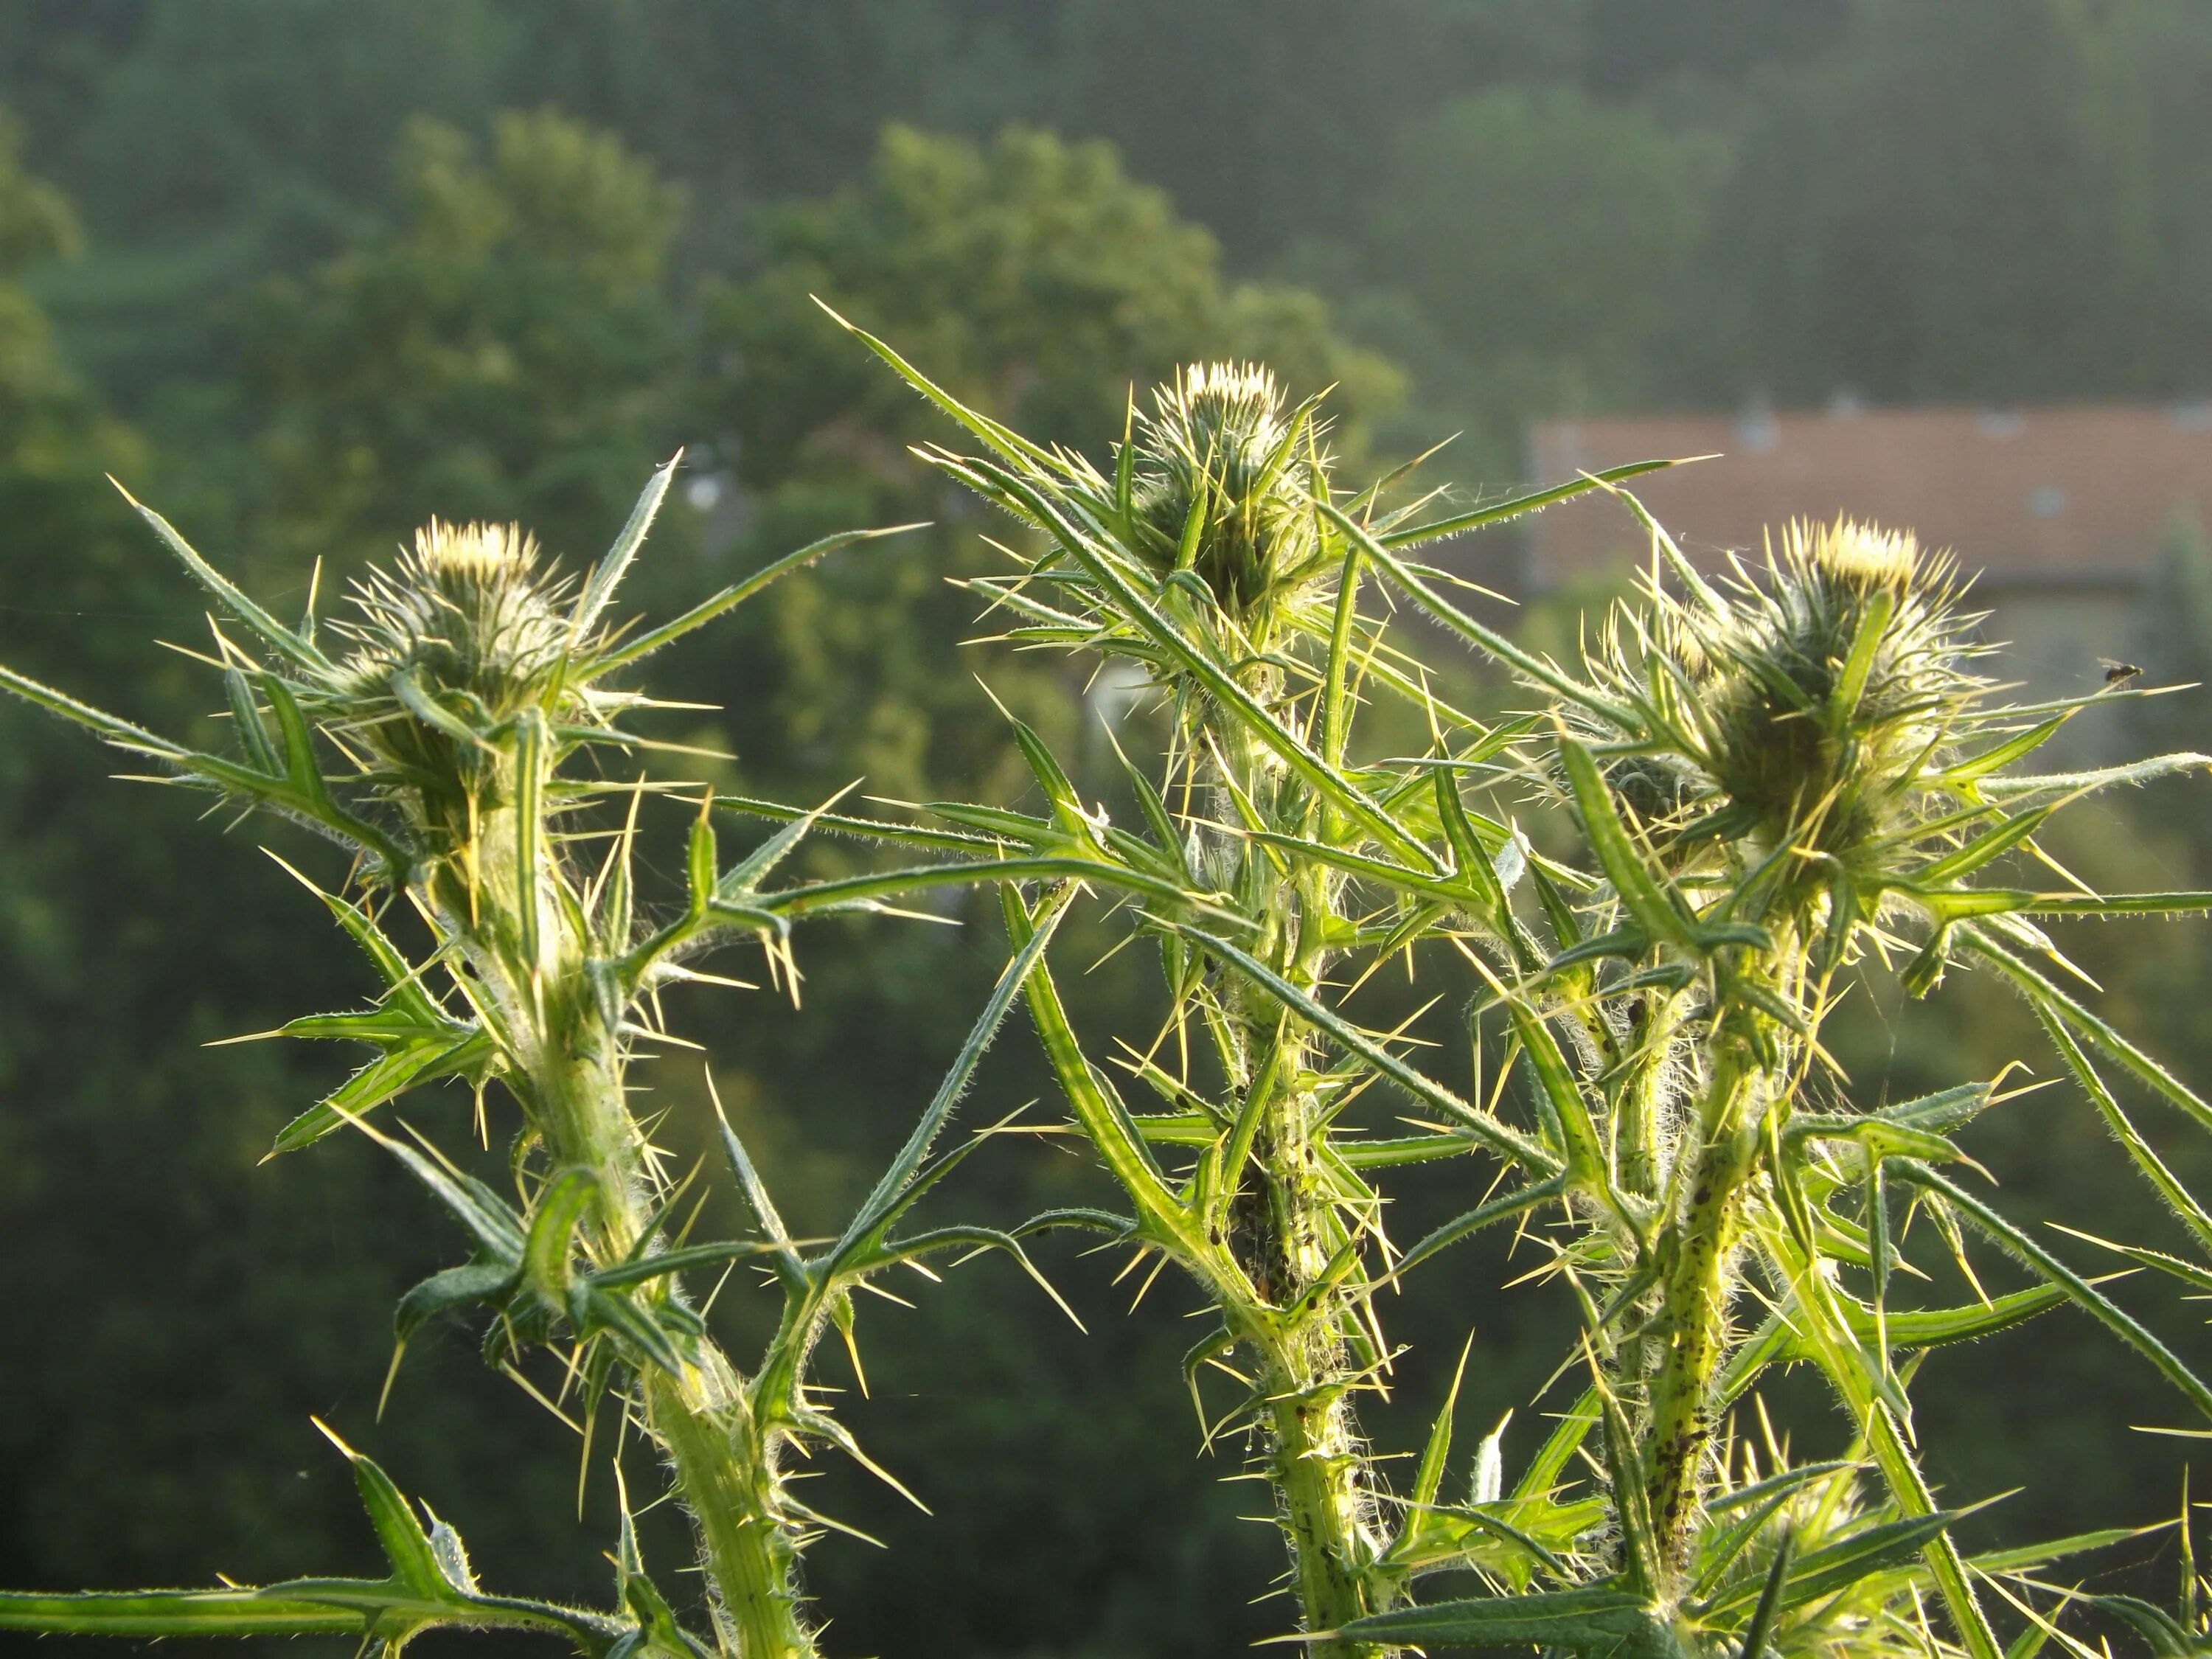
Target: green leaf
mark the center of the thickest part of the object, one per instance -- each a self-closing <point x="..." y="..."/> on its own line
<point x="750" y="1185"/>
<point x="592" y="1309"/>
<point x="2035" y="1555"/>
<point x="529" y="868"/>
<point x="699" y="859"/>
<point x="407" y="685"/>
<point x="2163" y="1181"/>
<point x="2188" y="1273"/>
<point x="554" y="1220"/>
<point x="1757" y="1634"/>
<point x="1095" y="1108"/>
<point x="607" y="575"/>
<point x="1559" y="1448"/>
<point x="406" y="1545"/>
<point x="2040" y="991"/>
<point x="252" y="736"/>
<point x="2117" y="904"/>
<point x="1976" y="767"/>
<point x="274" y="633"/>
<point x="1941" y="1112"/>
<point x="468" y="1285"/>
<point x="486" y="1215"/>
<point x="1429" y="1478"/>
<point x="1585" y="1148"/>
<point x="1059" y="788"/>
<point x="1718" y="1547"/>
<point x="403" y="980"/>
<point x="1840" y="1566"/>
<point x="1879" y="606"/>
<point x="1654" y="909"/>
<point x="2165" y="1634"/>
<point x="385" y="1078"/>
<point x="1878" y="1137"/>
<point x="843" y="824"/>
<point x="647" y="1269"/>
<point x="2087" y="783"/>
<point x="1473" y="1221"/>
<point x="1002" y="439"/>
<point x="892" y="1192"/>
<point x="1934" y="1327"/>
<point x="2034" y="1256"/>
<point x="1535" y="500"/>
<point x="1574" y="1620"/>
<point x="1984" y="849"/>
<point x="743" y="878"/>
<point x="110" y="727"/>
<point x="737" y="594"/>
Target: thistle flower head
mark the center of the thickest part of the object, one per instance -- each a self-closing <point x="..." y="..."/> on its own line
<point x="1804" y="705"/>
<point x="467" y="610"/>
<point x="1224" y="477"/>
<point x="464" y="632"/>
<point x="1833" y="692"/>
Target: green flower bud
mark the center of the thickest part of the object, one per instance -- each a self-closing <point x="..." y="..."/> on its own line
<point x="1221" y="459"/>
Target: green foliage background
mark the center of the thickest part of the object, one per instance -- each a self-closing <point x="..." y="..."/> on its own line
<point x="303" y="271"/>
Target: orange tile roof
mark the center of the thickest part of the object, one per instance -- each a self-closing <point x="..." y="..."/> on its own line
<point x="2076" y="492"/>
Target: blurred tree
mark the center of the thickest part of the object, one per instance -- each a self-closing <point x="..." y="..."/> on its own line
<point x="1270" y="121"/>
<point x="211" y="116"/>
<point x="502" y="351"/>
<point x="1991" y="199"/>
<point x="1547" y="238"/>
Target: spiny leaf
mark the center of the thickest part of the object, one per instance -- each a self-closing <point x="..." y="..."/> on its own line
<point x="2034" y="1256"/>
<point x="385" y="1078"/>
<point x="554" y="1218"/>
<point x="607" y="575"/>
<point x="1574" y="1620"/>
<point x="467" y="1285"/>
<point x="1761" y="1628"/>
<point x="406" y="1545"/>
<point x="735" y="595"/>
<point x="884" y="1204"/>
<point x="274" y="633"/>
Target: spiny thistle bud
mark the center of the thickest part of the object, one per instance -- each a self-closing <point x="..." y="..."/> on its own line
<point x="467" y="612"/>
<point x="465" y="632"/>
<point x="1224" y="478"/>
<point x="1829" y="692"/>
<point x="1802" y="709"/>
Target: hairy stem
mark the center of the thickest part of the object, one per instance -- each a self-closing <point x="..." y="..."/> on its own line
<point x="1286" y="1227"/>
<point x="524" y="955"/>
<point x="1694" y="1305"/>
<point x="700" y="1421"/>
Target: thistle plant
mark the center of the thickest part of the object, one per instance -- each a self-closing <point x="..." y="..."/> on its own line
<point x="1781" y="780"/>
<point x="462" y="734"/>
<point x="1215" y="553"/>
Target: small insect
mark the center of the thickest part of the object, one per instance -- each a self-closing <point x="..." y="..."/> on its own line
<point x="2118" y="674"/>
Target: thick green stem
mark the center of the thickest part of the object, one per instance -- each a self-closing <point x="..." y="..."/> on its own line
<point x="1694" y="1306"/>
<point x="1317" y="1467"/>
<point x="1286" y="1231"/>
<point x="751" y="1562"/>
<point x="534" y="966"/>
